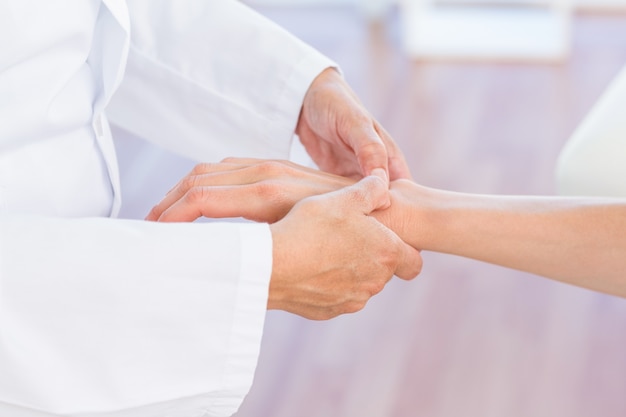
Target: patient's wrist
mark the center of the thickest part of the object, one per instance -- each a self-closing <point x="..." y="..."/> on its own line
<point x="417" y="214"/>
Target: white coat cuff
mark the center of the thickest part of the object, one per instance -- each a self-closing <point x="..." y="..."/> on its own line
<point x="289" y="103"/>
<point x="248" y="321"/>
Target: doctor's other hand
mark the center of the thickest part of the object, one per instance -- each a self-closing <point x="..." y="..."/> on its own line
<point x="330" y="256"/>
<point x="341" y="136"/>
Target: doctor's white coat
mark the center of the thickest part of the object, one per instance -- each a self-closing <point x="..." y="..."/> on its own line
<point x="108" y="317"/>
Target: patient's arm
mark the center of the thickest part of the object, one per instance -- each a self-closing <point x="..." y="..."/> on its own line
<point x="581" y="241"/>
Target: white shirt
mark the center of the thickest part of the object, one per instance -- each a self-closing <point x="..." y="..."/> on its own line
<point x="593" y="162"/>
<point x="109" y="317"/>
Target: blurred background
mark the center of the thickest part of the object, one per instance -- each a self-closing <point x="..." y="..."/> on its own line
<point x="481" y="96"/>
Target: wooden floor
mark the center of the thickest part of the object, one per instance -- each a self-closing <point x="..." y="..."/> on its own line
<point x="465" y="339"/>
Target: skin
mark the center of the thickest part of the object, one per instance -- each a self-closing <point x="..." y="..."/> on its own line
<point x="329" y="255"/>
<point x="581" y="241"/>
<point x="342" y="137"/>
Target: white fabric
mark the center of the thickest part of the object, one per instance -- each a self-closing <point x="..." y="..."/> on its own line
<point x="110" y="317"/>
<point x="238" y="88"/>
<point x="593" y="162"/>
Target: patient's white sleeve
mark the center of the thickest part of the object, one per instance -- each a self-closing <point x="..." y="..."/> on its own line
<point x="211" y="79"/>
<point x="593" y="162"/>
<point x="140" y="318"/>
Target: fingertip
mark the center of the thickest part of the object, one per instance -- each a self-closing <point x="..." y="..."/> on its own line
<point x="382" y="174"/>
<point x="411" y="265"/>
<point x="384" y="200"/>
<point x="180" y="213"/>
<point x="163" y="218"/>
<point x="153" y="215"/>
<point x="173" y="214"/>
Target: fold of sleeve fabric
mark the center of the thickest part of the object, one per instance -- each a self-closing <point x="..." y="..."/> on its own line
<point x="212" y="79"/>
<point x="102" y="315"/>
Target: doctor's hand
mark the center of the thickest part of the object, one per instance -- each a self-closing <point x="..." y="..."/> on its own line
<point x="266" y="190"/>
<point x="256" y="189"/>
<point x="340" y="134"/>
<point x="330" y="257"/>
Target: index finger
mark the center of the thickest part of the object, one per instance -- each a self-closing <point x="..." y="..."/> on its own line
<point x="398" y="168"/>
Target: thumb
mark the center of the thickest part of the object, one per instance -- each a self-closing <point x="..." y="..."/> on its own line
<point x="368" y="195"/>
<point x="369" y="149"/>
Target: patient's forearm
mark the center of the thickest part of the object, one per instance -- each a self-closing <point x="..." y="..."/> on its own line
<point x="574" y="240"/>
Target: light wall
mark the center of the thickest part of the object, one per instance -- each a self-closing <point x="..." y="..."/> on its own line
<point x="591" y="5"/>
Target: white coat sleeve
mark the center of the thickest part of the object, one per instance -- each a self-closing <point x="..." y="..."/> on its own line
<point x="211" y="79"/>
<point x="129" y="318"/>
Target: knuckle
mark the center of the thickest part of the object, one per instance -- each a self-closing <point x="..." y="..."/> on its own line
<point x="317" y="314"/>
<point x="356" y="121"/>
<point x="323" y="312"/>
<point x="272" y="168"/>
<point x="330" y="313"/>
<point x="388" y="259"/>
<point x="188" y="183"/>
<point x="273" y="197"/>
<point x="354" y="306"/>
<point x="202" y="168"/>
<point x="267" y="190"/>
<point x="376" y="286"/>
<point x="362" y="119"/>
<point x="359" y="196"/>
<point x="196" y="195"/>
